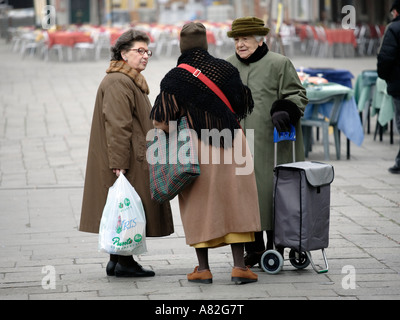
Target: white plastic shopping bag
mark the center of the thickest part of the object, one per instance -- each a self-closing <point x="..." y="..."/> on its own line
<point x="123" y="224"/>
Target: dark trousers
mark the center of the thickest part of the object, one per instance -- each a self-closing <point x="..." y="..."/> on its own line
<point x="259" y="244"/>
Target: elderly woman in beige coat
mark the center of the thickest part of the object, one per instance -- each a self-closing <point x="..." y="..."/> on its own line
<point x="220" y="207"/>
<point x="118" y="144"/>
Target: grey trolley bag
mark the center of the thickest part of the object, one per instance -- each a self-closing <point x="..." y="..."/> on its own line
<point x="301" y="210"/>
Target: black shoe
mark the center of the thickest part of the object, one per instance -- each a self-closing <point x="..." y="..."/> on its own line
<point x="395" y="169"/>
<point x="110" y="269"/>
<point x="135" y="270"/>
<point x="252" y="258"/>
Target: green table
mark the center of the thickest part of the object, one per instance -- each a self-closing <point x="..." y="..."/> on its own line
<point x="321" y="92"/>
<point x="348" y="119"/>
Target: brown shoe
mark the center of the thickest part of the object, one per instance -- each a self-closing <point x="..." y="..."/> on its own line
<point x="203" y="276"/>
<point x="241" y="276"/>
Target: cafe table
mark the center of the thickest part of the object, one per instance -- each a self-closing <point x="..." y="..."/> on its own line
<point x="348" y="119"/>
<point x="340" y="76"/>
<point x="68" y="39"/>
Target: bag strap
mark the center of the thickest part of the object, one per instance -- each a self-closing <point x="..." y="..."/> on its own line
<point x="198" y="74"/>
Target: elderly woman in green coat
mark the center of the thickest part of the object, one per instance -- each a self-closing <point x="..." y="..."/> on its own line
<point x="279" y="100"/>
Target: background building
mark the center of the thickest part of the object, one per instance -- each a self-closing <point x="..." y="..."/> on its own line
<point x="117" y="12"/>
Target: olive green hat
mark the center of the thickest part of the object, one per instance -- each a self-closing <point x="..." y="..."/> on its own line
<point x="248" y="26"/>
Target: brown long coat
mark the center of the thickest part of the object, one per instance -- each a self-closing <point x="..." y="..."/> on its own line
<point x="223" y="199"/>
<point x="118" y="140"/>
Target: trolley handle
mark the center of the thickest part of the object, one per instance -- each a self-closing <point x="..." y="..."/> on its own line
<point x="284" y="136"/>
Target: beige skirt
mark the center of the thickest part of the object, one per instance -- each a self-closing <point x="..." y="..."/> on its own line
<point x="230" y="238"/>
<point x="221" y="205"/>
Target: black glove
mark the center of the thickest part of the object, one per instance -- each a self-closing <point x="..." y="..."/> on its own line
<point x="281" y="121"/>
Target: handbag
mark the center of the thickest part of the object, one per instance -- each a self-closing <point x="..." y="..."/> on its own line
<point x="173" y="161"/>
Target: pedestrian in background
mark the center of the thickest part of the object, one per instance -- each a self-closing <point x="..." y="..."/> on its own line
<point x="279" y="100"/>
<point x="121" y="120"/>
<point x="389" y="68"/>
<point x="220" y="207"/>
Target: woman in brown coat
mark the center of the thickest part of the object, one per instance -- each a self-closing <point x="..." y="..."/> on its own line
<point x="118" y="144"/>
<point x="221" y="206"/>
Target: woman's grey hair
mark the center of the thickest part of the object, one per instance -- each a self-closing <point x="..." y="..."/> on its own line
<point x="126" y="41"/>
<point x="259" y="38"/>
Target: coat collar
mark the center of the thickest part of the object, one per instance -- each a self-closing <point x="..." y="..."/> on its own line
<point x="256" y="56"/>
<point x="123" y="67"/>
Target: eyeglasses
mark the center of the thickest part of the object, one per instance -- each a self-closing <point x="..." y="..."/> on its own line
<point x="142" y="51"/>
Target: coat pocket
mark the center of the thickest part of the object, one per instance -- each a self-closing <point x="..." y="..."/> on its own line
<point x="140" y="149"/>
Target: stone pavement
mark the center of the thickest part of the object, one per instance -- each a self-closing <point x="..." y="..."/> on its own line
<point x="45" y="116"/>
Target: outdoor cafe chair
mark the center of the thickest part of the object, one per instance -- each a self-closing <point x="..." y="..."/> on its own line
<point x="320" y="122"/>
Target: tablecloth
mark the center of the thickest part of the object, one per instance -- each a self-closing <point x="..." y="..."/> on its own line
<point x="115" y="34"/>
<point x="340" y="76"/>
<point x="342" y="36"/>
<point x="382" y="103"/>
<point x="363" y="89"/>
<point x="349" y="121"/>
<point x="69" y="39"/>
<point x="333" y="36"/>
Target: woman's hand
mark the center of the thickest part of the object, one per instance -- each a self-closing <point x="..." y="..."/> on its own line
<point x="281" y="121"/>
<point x="118" y="171"/>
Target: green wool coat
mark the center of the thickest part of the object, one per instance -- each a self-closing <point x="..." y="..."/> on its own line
<point x="271" y="78"/>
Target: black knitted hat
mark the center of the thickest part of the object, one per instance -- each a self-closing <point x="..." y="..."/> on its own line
<point x="193" y="35"/>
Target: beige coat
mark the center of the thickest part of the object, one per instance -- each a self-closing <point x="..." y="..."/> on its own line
<point x="118" y="140"/>
<point x="221" y="200"/>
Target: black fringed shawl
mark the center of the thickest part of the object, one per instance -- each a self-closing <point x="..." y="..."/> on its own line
<point x="183" y="94"/>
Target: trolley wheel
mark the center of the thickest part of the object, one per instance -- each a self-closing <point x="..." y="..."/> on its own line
<point x="299" y="261"/>
<point x="271" y="262"/>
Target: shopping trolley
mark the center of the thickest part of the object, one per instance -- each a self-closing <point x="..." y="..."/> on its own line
<point x="301" y="210"/>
